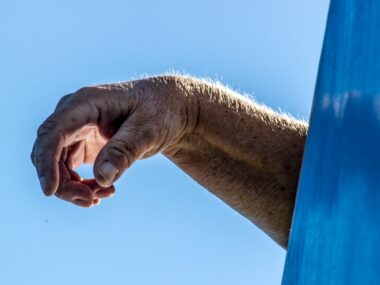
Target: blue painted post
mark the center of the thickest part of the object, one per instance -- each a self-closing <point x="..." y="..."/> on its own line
<point x="335" y="235"/>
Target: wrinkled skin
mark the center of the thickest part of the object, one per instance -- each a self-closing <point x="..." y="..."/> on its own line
<point x="140" y="120"/>
<point x="244" y="153"/>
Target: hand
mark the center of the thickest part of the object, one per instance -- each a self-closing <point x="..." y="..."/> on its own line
<point x="110" y="126"/>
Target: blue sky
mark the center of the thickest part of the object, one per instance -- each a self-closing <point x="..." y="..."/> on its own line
<point x="161" y="227"/>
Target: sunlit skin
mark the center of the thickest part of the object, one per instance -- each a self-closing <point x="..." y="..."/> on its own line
<point x="244" y="153"/>
<point x="79" y="149"/>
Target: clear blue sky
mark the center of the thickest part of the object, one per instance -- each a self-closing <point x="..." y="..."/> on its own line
<point x="161" y="227"/>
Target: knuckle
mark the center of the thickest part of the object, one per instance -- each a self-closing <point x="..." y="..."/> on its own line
<point x="47" y="127"/>
<point x="84" y="94"/>
<point x="39" y="161"/>
<point x="122" y="152"/>
<point x="63" y="100"/>
<point x="32" y="154"/>
<point x="86" y="91"/>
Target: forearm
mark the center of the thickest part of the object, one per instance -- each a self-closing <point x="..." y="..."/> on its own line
<point x="245" y="154"/>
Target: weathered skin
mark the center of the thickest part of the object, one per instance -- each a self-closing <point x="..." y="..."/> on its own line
<point x="244" y="153"/>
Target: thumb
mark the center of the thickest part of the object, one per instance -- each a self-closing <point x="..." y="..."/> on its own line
<point x="129" y="144"/>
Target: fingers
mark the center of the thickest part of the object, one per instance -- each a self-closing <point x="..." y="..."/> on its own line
<point x="76" y="192"/>
<point x="98" y="191"/>
<point x="46" y="163"/>
<point x="131" y="141"/>
<point x="83" y="193"/>
<point x="70" y="189"/>
<point x="53" y="136"/>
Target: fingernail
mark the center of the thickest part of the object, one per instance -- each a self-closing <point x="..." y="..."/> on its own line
<point x="107" y="172"/>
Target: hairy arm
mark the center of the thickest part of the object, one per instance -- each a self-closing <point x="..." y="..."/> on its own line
<point x="245" y="154"/>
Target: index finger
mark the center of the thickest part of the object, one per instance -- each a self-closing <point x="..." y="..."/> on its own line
<point x="52" y="137"/>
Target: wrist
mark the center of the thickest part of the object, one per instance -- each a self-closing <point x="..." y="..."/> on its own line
<point x="182" y="105"/>
<point x="174" y="105"/>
